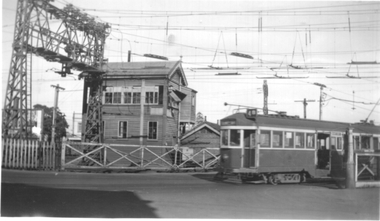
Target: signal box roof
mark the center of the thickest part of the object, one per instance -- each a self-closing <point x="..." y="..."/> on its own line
<point x="165" y="69"/>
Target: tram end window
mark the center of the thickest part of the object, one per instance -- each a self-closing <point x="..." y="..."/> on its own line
<point x="234" y="137"/>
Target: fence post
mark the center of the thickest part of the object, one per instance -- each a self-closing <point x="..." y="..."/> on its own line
<point x="35" y="154"/>
<point x="63" y="155"/>
<point x="350" y="166"/>
<point x="142" y="156"/>
<point x="7" y="143"/>
<point x="175" y="155"/>
<point x="204" y="159"/>
<point x="53" y="149"/>
<point x="105" y="155"/>
<point x="25" y="153"/>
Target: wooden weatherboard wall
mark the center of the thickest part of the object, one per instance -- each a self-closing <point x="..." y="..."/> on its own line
<point x="163" y="78"/>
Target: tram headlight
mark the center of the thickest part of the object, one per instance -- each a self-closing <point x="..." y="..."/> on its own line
<point x="225" y="157"/>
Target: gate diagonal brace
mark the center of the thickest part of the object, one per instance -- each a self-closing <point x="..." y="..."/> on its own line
<point x="123" y="156"/>
<point x="191" y="158"/>
<point x="86" y="156"/>
<point x="159" y="157"/>
<point x="366" y="167"/>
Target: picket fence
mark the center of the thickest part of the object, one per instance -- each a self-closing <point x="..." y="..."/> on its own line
<point x="29" y="154"/>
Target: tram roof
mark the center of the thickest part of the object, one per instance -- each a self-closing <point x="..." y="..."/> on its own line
<point x="300" y="123"/>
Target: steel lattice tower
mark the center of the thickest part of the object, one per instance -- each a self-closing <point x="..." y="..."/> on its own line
<point x="74" y="39"/>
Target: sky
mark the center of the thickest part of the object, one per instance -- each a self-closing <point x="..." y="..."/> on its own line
<point x="321" y="38"/>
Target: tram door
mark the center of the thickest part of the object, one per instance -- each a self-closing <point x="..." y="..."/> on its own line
<point x="249" y="148"/>
<point x="323" y="151"/>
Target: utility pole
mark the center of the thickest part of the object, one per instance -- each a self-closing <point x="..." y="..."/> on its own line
<point x="265" y="89"/>
<point x="350" y="166"/>
<point x="321" y="86"/>
<point x="304" y="105"/>
<point x="57" y="88"/>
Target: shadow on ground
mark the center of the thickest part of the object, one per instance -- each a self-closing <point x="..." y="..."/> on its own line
<point x="234" y="180"/>
<point x="20" y="200"/>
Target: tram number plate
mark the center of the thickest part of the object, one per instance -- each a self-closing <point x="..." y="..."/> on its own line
<point x="290" y="178"/>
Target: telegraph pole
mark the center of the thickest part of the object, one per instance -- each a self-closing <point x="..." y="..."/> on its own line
<point x="265" y="89"/>
<point x="304" y="105"/>
<point x="321" y="86"/>
<point x="57" y="88"/>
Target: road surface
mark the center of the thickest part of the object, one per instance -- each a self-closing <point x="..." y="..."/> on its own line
<point x="177" y="195"/>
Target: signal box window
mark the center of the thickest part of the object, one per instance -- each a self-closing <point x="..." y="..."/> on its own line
<point x="234" y="137"/>
<point x="123" y="129"/>
<point x="152" y="130"/>
<point x="300" y="140"/>
<point x="127" y="97"/>
<point x="277" y="138"/>
<point x="108" y="98"/>
<point x="265" y="138"/>
<point x="117" y="98"/>
<point x="310" y="141"/>
<point x="289" y="139"/>
<point x="136" y="97"/>
<point x="224" y="136"/>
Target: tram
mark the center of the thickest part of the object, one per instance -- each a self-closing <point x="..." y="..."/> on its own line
<point x="277" y="148"/>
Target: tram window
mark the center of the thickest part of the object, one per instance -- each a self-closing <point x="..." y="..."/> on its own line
<point x="234" y="137"/>
<point x="333" y="143"/>
<point x="224" y="135"/>
<point x="365" y="142"/>
<point x="277" y="138"/>
<point x="265" y="138"/>
<point x="339" y="143"/>
<point x="376" y="143"/>
<point x="300" y="140"/>
<point x="356" y="142"/>
<point x="310" y="141"/>
<point x="289" y="139"/>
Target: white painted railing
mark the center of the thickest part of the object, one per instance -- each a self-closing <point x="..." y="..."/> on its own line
<point x="114" y="156"/>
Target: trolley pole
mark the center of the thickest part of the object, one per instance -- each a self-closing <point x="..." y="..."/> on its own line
<point x="350" y="166"/>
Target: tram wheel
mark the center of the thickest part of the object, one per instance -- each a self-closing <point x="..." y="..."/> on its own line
<point x="273" y="179"/>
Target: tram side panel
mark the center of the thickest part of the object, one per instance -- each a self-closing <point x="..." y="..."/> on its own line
<point x="280" y="161"/>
